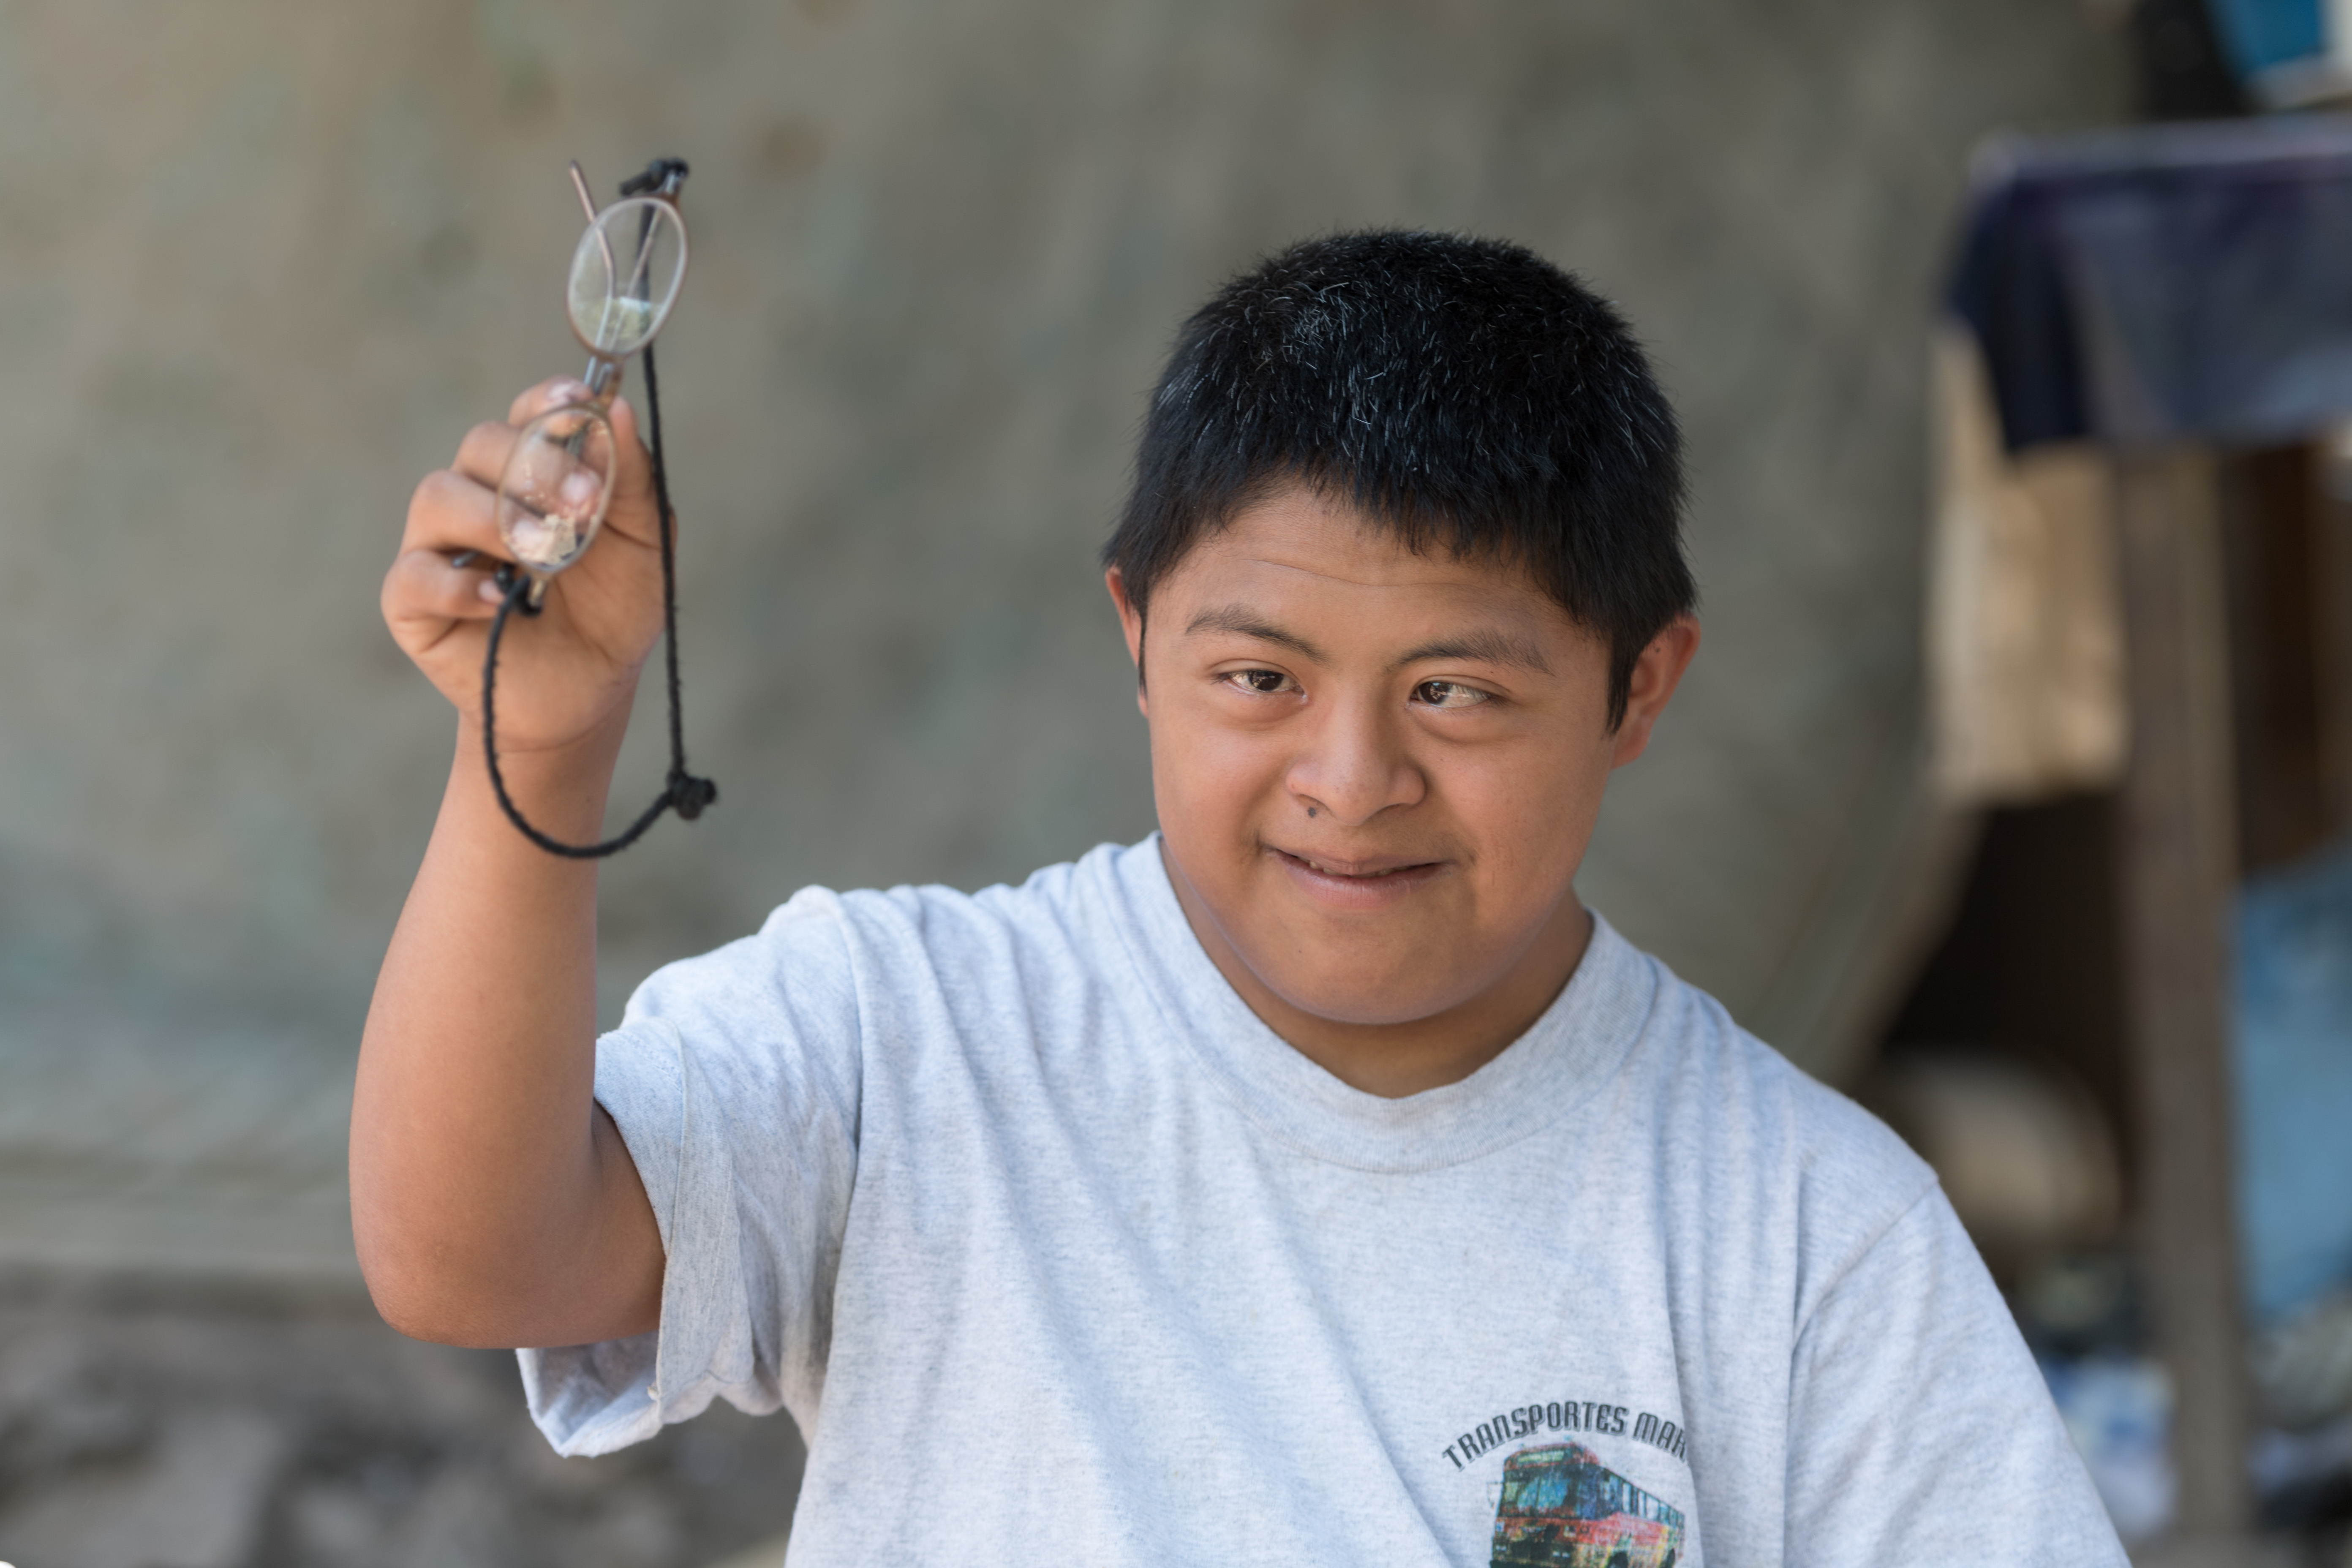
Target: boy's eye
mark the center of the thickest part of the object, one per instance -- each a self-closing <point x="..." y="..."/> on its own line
<point x="1264" y="682"/>
<point x="1448" y="694"/>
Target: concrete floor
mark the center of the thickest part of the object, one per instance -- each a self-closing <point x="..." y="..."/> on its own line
<point x="281" y="1429"/>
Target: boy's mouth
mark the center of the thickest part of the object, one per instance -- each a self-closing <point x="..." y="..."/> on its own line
<point x="1365" y="883"/>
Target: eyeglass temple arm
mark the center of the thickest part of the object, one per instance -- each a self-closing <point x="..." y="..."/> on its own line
<point x="661" y="179"/>
<point x="664" y="177"/>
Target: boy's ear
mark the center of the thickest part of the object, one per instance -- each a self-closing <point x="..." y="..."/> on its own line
<point x="1130" y="621"/>
<point x="1656" y="675"/>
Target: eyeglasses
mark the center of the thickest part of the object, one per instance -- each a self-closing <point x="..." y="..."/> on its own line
<point x="559" y="479"/>
<point x="625" y="278"/>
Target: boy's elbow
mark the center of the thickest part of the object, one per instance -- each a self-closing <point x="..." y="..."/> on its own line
<point x="498" y="1299"/>
<point x="428" y="1289"/>
<point x="419" y="1317"/>
<point x="424" y="1303"/>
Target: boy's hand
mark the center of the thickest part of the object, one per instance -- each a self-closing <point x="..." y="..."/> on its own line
<point x="571" y="671"/>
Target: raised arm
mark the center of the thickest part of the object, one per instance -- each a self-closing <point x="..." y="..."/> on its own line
<point x="492" y="1201"/>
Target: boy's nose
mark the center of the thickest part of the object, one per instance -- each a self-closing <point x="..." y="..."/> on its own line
<point x="1354" y="766"/>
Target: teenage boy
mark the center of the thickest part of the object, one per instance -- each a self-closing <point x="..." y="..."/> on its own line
<point x="1316" y="1182"/>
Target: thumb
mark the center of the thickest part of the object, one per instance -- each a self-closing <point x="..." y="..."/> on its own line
<point x="633" y="476"/>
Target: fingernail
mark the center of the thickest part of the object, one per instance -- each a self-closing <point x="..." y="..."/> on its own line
<point x="489" y="591"/>
<point x="566" y="390"/>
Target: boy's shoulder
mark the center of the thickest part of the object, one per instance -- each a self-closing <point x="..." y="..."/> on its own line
<point x="820" y="930"/>
<point x="1738" y="1076"/>
<point x="1736" y="1110"/>
<point x="1079" y="912"/>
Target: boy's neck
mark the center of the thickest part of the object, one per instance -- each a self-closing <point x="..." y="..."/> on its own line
<point x="1393" y="1061"/>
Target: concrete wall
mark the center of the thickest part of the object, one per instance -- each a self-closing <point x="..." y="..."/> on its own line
<point x="260" y="266"/>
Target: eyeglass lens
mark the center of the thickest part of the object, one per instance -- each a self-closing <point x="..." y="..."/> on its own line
<point x="557" y="484"/>
<point x="624" y="276"/>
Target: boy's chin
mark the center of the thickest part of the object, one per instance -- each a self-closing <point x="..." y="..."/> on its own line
<point x="1342" y="992"/>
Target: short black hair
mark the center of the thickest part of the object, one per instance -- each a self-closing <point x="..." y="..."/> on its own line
<point x="1466" y="393"/>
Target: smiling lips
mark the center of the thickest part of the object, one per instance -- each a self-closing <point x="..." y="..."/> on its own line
<point x="1375" y="882"/>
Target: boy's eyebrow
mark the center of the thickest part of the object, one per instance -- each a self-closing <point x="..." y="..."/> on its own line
<point x="1488" y="645"/>
<point x="1243" y="621"/>
<point x="1485" y="644"/>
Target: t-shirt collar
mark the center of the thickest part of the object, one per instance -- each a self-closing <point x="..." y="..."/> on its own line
<point x="1569" y="1052"/>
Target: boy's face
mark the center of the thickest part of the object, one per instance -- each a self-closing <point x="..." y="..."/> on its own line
<point x="1376" y="774"/>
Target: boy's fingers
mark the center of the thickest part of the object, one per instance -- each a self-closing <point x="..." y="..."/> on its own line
<point x="450" y="512"/>
<point x="426" y="584"/>
<point x="554" y="392"/>
<point x="482" y="455"/>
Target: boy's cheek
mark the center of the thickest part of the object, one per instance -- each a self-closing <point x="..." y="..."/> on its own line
<point x="1210" y="780"/>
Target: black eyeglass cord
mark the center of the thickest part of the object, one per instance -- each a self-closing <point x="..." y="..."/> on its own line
<point x="684" y="792"/>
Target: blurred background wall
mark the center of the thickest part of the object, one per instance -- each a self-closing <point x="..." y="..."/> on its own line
<point x="262" y="263"/>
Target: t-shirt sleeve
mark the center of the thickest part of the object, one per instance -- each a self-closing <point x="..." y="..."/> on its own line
<point x="733" y="1078"/>
<point x="1920" y="1430"/>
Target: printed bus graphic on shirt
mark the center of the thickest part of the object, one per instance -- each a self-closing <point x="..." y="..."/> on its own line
<point x="1560" y="1508"/>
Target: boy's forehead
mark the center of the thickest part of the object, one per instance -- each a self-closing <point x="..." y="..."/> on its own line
<point x="1296" y="542"/>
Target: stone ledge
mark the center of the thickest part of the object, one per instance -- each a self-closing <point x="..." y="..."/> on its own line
<point x="93" y="1221"/>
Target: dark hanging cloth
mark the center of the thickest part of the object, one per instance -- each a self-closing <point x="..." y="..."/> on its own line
<point x="2164" y="282"/>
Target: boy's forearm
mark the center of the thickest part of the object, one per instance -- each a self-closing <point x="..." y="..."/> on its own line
<point x="493" y="1201"/>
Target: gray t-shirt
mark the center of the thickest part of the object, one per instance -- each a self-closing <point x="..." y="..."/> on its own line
<point x="1058" y="1255"/>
